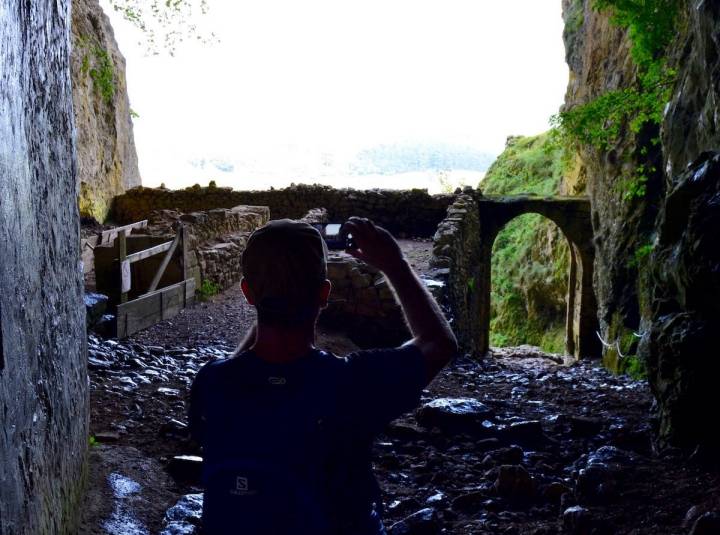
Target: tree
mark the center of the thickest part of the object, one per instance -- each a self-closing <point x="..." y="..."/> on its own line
<point x="165" y="23"/>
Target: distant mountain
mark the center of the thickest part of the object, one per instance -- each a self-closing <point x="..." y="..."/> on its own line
<point x="220" y="165"/>
<point x="405" y="158"/>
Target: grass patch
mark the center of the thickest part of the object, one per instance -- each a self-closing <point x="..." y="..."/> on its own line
<point x="207" y="289"/>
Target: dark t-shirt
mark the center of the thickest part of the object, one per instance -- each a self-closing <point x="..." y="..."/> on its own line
<point x="307" y="425"/>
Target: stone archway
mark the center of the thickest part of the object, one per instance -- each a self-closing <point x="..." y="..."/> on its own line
<point x="572" y="216"/>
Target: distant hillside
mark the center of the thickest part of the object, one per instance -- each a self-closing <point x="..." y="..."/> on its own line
<point x="405" y="158"/>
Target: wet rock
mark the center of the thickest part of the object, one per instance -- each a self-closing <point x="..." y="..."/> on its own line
<point x="527" y="432"/>
<point x="174" y="428"/>
<point x="584" y="426"/>
<point x="455" y="415"/>
<point x="186" y="468"/>
<point x="184" y="518"/>
<point x="707" y="524"/>
<point x="512" y="455"/>
<point x="404" y="506"/>
<point x="554" y="492"/>
<point x="601" y="472"/>
<point x="680" y="346"/>
<point x="405" y="431"/>
<point x="577" y="521"/>
<point x="514" y="483"/>
<point x="470" y="502"/>
<point x="95" y="306"/>
<point x="423" y="522"/>
<point x="107" y="437"/>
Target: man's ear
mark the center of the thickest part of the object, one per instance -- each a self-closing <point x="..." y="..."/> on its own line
<point x="325" y="290"/>
<point x="247" y="292"/>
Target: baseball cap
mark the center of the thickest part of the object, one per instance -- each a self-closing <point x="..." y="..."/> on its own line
<point x="284" y="264"/>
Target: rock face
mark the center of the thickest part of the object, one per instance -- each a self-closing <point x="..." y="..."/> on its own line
<point x="671" y="299"/>
<point x="43" y="369"/>
<point x="106" y="157"/>
<point x="598" y="54"/>
<point x="684" y="287"/>
<point x="691" y="122"/>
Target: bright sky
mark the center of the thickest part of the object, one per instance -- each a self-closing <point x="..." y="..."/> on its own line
<point x="293" y="81"/>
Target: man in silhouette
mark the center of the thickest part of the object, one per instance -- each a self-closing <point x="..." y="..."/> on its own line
<point x="286" y="428"/>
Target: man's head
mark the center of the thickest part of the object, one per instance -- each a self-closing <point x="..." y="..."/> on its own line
<point x="285" y="273"/>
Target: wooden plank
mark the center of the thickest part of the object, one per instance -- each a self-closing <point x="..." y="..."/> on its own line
<point x="154" y="307"/>
<point x="109" y="236"/>
<point x="147" y="253"/>
<point x="165" y="262"/>
<point x="87" y="253"/>
<point x="125" y="283"/>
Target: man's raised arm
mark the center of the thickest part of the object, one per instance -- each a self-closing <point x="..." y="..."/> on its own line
<point x="431" y="331"/>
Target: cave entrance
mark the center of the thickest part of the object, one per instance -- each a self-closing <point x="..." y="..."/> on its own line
<point x="572" y="217"/>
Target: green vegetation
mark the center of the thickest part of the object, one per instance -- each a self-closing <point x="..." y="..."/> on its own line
<point x="92" y="441"/>
<point x="207" y="289"/>
<point x="601" y="122"/>
<point x="530" y="255"/>
<point x="635" y="368"/>
<point x="97" y="63"/>
<point x="641" y="253"/>
<point x="528" y="165"/>
<point x="165" y="23"/>
<point x="103" y="74"/>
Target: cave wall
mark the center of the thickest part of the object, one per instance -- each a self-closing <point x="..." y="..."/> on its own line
<point x="598" y="55"/>
<point x="107" y="162"/>
<point x="682" y="287"/>
<point x="43" y="374"/>
<point x="670" y="299"/>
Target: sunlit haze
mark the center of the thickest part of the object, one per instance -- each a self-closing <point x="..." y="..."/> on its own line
<point x="336" y="91"/>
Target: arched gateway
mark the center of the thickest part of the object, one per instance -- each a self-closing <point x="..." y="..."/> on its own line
<point x="572" y="216"/>
<point x="480" y="219"/>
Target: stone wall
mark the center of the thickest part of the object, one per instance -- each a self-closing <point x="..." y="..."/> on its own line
<point x="43" y="362"/>
<point x="456" y="259"/>
<point x="215" y="239"/>
<point x="362" y="303"/>
<point x="404" y="213"/>
<point x="106" y="157"/>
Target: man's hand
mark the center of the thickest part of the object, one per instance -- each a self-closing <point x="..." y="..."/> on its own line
<point x="373" y="245"/>
<point x="431" y="332"/>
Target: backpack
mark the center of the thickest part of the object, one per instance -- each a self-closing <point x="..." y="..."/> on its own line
<point x="290" y="462"/>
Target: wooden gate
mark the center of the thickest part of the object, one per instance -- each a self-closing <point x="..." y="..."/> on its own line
<point x="154" y="305"/>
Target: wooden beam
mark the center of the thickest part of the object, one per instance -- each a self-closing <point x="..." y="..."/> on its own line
<point x="109" y="236"/>
<point x="165" y="262"/>
<point x="147" y="253"/>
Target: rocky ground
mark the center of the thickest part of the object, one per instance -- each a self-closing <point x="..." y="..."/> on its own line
<point x="519" y="443"/>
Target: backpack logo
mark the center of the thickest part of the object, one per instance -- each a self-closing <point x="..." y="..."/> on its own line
<point x="242" y="487"/>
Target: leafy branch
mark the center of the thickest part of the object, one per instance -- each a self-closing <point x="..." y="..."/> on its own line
<point x="165" y="23"/>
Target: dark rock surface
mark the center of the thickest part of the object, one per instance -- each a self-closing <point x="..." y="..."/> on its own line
<point x="691" y="124"/>
<point x="43" y="379"/>
<point x="684" y="285"/>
